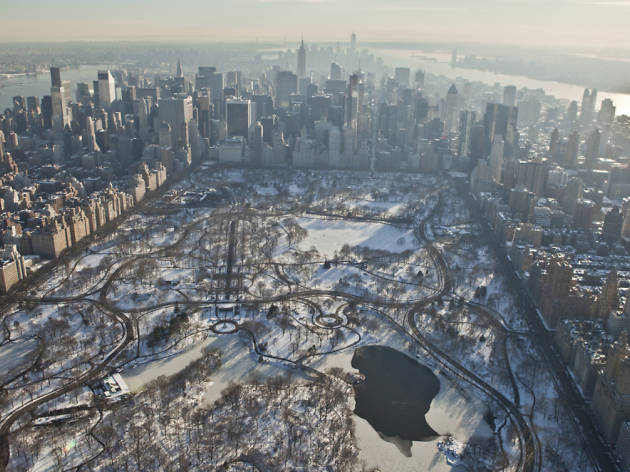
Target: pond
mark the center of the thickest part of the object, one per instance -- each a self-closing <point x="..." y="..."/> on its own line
<point x="396" y="394"/>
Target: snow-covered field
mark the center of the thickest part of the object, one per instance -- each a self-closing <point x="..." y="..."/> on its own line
<point x="330" y="235"/>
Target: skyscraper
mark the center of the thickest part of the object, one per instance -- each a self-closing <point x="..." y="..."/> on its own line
<point x="238" y="114"/>
<point x="402" y="76"/>
<point x="451" y="110"/>
<point x="573" y="150"/>
<point x="301" y="61"/>
<point x="106" y="88"/>
<point x="501" y="119"/>
<point x="607" y="112"/>
<point x="285" y="85"/>
<point x="176" y="111"/>
<point x="335" y="71"/>
<point x="55" y="77"/>
<point x="509" y="95"/>
<point x="353" y="41"/>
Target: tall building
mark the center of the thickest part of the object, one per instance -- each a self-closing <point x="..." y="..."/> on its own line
<point x="301" y="61"/>
<point x="607" y="112"/>
<point x="419" y="78"/>
<point x="509" y="95"/>
<point x="613" y="222"/>
<point x="466" y="121"/>
<point x="402" y="75"/>
<point x="239" y="117"/>
<point x="335" y="71"/>
<point x="179" y="72"/>
<point x="571" y="114"/>
<point x="352" y="102"/>
<point x="175" y="111"/>
<point x="285" y="85"/>
<point x="573" y="150"/>
<point x="353" y="41"/>
<point x="106" y="88"/>
<point x="55" y="77"/>
<point x="91" y="135"/>
<point x="496" y="158"/>
<point x="451" y="110"/>
<point x="592" y="148"/>
<point x="204" y="115"/>
<point x="501" y="119"/>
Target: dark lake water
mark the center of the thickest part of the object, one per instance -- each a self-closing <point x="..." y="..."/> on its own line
<point x="396" y="394"/>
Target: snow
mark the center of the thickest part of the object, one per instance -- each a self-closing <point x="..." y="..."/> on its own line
<point x="15" y="355"/>
<point x="329" y="236"/>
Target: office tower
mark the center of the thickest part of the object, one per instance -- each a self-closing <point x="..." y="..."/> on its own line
<point x="164" y="135"/>
<point x="286" y="84"/>
<point x="419" y="78"/>
<point x="572" y="112"/>
<point x="58" y="103"/>
<point x="179" y="72"/>
<point x="592" y="148"/>
<point x="607" y="112"/>
<point x="402" y="76"/>
<point x="501" y="119"/>
<point x="238" y="114"/>
<point x="208" y="78"/>
<point x="509" y="95"/>
<point x="554" y="144"/>
<point x="529" y="110"/>
<point x="258" y="143"/>
<point x="352" y="102"/>
<point x="335" y="71"/>
<point x="204" y="115"/>
<point x="83" y="92"/>
<point x="301" y="61"/>
<point x="106" y="88"/>
<point x="466" y="120"/>
<point x="573" y="150"/>
<point x="175" y="111"/>
<point x="233" y="80"/>
<point x="334" y="147"/>
<point x="264" y="106"/>
<point x="593" y="101"/>
<point x="353" y="41"/>
<point x="625" y="210"/>
<point x="454" y="58"/>
<point x="55" y="77"/>
<point x="613" y="222"/>
<point x="533" y="175"/>
<point x="90" y="133"/>
<point x="589" y="99"/>
<point x="573" y="193"/>
<point x="496" y="158"/>
<point x="451" y="110"/>
<point x="47" y="111"/>
<point x="618" y="181"/>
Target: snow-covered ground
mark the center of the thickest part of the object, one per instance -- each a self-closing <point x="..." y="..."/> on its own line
<point x="329" y="236"/>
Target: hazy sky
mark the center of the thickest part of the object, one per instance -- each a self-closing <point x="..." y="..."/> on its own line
<point x="598" y="23"/>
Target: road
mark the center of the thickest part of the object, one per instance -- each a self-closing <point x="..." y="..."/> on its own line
<point x="543" y="339"/>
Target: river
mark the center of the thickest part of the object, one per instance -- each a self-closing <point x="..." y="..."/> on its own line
<point x="39" y="85"/>
<point x="439" y="64"/>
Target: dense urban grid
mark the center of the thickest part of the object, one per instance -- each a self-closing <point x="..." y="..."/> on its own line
<point x="196" y="257"/>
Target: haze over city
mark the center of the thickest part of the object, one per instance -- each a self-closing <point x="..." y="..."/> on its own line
<point x="590" y="24"/>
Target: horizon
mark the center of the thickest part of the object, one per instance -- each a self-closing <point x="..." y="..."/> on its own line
<point x="558" y="23"/>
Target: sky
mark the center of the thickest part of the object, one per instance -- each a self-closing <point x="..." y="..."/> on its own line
<point x="593" y="23"/>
